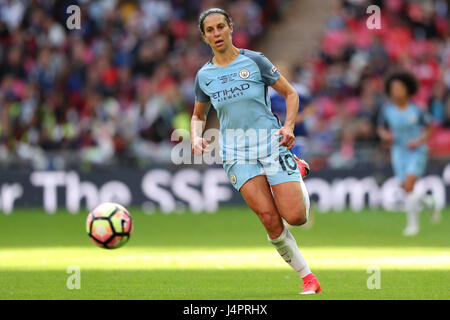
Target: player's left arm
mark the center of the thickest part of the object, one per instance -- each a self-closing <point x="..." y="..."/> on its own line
<point x="425" y="120"/>
<point x="424" y="137"/>
<point x="284" y="88"/>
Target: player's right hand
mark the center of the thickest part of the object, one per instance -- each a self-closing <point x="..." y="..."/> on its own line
<point x="287" y="137"/>
<point x="199" y="145"/>
<point x="387" y="137"/>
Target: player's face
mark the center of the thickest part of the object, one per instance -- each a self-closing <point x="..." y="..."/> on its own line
<point x="217" y="32"/>
<point x="399" y="92"/>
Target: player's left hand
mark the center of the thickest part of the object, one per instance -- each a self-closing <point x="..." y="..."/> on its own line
<point x="414" y="144"/>
<point x="287" y="137"/>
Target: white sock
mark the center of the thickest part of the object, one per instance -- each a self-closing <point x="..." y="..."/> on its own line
<point x="412" y="207"/>
<point x="288" y="249"/>
<point x="427" y="202"/>
<point x="305" y="197"/>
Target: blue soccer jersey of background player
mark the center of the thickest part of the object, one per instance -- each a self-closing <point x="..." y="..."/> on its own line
<point x="239" y="93"/>
<point x="406" y="125"/>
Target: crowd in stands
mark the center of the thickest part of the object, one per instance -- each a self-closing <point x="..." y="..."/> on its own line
<point x="346" y="76"/>
<point x="115" y="89"/>
<point x="112" y="90"/>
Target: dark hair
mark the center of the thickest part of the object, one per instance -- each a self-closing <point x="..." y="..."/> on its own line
<point x="406" y="77"/>
<point x="208" y="12"/>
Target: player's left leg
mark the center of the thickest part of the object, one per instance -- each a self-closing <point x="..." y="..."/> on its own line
<point x="416" y="167"/>
<point x="257" y="194"/>
<point x="428" y="202"/>
<point x="408" y="166"/>
<point x="288" y="188"/>
<point x="290" y="201"/>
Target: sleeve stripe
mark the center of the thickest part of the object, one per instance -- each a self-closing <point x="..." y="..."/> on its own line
<point x="199" y="93"/>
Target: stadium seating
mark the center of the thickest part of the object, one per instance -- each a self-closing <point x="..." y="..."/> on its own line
<point x="112" y="92"/>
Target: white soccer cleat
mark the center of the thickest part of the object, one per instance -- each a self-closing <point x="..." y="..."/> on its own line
<point x="410" y="231"/>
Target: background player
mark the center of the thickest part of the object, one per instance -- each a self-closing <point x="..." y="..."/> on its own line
<point x="406" y="128"/>
<point x="235" y="82"/>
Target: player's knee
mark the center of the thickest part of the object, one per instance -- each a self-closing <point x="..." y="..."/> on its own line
<point x="297" y="219"/>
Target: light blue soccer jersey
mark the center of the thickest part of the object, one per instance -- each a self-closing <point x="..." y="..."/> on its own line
<point x="406" y="125"/>
<point x="239" y="93"/>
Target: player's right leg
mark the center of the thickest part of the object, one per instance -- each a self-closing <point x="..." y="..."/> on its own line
<point x="412" y="206"/>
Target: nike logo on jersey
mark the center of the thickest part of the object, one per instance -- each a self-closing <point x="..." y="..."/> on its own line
<point x="208" y="83"/>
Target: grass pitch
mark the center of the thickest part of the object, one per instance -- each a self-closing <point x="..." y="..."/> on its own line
<point x="223" y="256"/>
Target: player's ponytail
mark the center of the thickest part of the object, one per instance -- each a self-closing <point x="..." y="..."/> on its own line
<point x="208" y="12"/>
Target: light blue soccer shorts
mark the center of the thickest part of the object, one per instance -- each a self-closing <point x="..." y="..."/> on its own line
<point x="277" y="169"/>
<point x="407" y="162"/>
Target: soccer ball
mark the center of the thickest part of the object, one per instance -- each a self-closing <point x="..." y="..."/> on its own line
<point x="109" y="225"/>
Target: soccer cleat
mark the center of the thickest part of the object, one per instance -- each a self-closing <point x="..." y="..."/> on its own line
<point x="310" y="285"/>
<point x="411" y="231"/>
<point x="303" y="166"/>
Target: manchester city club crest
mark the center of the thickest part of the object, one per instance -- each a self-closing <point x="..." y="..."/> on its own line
<point x="244" y="73"/>
<point x="233" y="178"/>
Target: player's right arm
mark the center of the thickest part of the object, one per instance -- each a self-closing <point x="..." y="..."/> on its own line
<point x="198" y="123"/>
<point x="385" y="134"/>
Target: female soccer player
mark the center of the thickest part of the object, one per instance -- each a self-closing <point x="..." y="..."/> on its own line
<point x="407" y="129"/>
<point x="254" y="145"/>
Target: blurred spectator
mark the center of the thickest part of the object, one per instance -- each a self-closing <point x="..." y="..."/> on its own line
<point x="110" y="92"/>
<point x="114" y="91"/>
<point x="345" y="76"/>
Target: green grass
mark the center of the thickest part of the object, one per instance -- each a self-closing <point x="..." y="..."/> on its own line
<point x="224" y="255"/>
